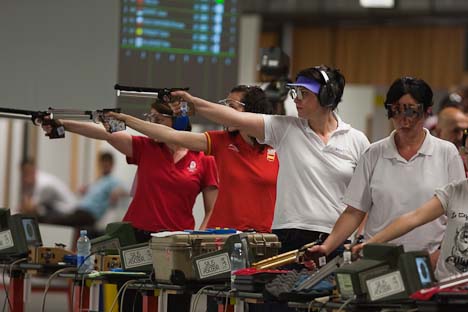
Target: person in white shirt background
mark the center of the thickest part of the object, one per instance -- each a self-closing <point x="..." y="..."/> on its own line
<point x="43" y="194"/>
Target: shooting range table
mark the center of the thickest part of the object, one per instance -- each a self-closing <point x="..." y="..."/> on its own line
<point x="17" y="280"/>
<point x="352" y="306"/>
<point x="86" y="294"/>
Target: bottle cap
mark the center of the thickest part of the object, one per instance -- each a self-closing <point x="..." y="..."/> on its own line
<point x="117" y="270"/>
<point x="237" y="245"/>
<point x="83" y="232"/>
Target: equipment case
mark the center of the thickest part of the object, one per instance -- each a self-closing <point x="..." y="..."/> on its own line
<point x="176" y="258"/>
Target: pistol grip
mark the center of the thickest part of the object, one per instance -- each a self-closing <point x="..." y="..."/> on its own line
<point x="58" y="132"/>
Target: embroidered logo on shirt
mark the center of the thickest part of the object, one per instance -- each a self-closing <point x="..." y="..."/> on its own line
<point x="232" y="147"/>
<point x="271" y="153"/>
<point x="192" y="167"/>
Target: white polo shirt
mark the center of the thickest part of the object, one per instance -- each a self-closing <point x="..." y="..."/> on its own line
<point x="453" y="257"/>
<point x="386" y="186"/>
<point x="312" y="176"/>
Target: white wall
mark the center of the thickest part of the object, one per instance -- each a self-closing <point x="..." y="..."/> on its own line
<point x="3" y="154"/>
<point x="357" y="105"/>
<point x="16" y="155"/>
<point x="248" y="48"/>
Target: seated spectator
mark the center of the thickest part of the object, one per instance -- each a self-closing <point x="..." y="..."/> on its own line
<point x="98" y="197"/>
<point x="43" y="194"/>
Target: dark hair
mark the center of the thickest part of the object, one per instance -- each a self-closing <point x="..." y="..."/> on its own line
<point x="254" y="98"/>
<point x="106" y="156"/>
<point x="336" y="83"/>
<point x="164" y="108"/>
<point x="255" y="101"/>
<point x="417" y="88"/>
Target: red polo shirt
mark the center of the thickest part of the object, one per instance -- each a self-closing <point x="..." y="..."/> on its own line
<point x="166" y="191"/>
<point x="247" y="183"/>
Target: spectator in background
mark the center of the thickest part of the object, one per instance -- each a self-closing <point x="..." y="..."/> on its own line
<point x="451" y="123"/>
<point x="463" y="93"/>
<point x="43" y="194"/>
<point x="98" y="197"/>
<point x="452" y="99"/>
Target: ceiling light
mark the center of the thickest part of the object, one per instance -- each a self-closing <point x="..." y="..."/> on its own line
<point x="381" y="4"/>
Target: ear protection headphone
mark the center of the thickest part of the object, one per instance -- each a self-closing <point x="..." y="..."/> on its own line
<point x="327" y="96"/>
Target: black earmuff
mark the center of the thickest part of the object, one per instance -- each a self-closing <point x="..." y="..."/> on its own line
<point x="327" y="96"/>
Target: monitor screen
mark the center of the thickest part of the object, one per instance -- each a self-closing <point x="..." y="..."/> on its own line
<point x="31" y="231"/>
<point x="168" y="44"/>
<point x="424" y="270"/>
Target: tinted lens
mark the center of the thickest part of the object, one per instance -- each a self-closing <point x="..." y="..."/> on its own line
<point x="409" y="111"/>
<point x="296" y="93"/>
<point x="293" y="94"/>
<point x="148" y="117"/>
<point x="231" y="103"/>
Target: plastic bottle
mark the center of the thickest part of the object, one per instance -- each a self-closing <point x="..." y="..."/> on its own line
<point x="347" y="257"/>
<point x="238" y="261"/>
<point x="83" y="248"/>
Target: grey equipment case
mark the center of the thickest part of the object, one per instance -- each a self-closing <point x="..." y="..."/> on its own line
<point x="181" y="258"/>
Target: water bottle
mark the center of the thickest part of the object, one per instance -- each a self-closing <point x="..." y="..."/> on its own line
<point x="237" y="261"/>
<point x="83" y="247"/>
<point x="347" y="257"/>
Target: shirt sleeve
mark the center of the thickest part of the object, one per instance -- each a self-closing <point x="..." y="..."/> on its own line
<point x="137" y="145"/>
<point x="444" y="194"/>
<point x="210" y="174"/>
<point x="275" y="129"/>
<point x="213" y="140"/>
<point x="358" y="194"/>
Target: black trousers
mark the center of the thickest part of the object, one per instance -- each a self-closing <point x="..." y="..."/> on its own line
<point x="77" y="218"/>
<point x="296" y="238"/>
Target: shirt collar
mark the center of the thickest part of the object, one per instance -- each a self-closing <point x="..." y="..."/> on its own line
<point x="342" y="126"/>
<point x="391" y="151"/>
